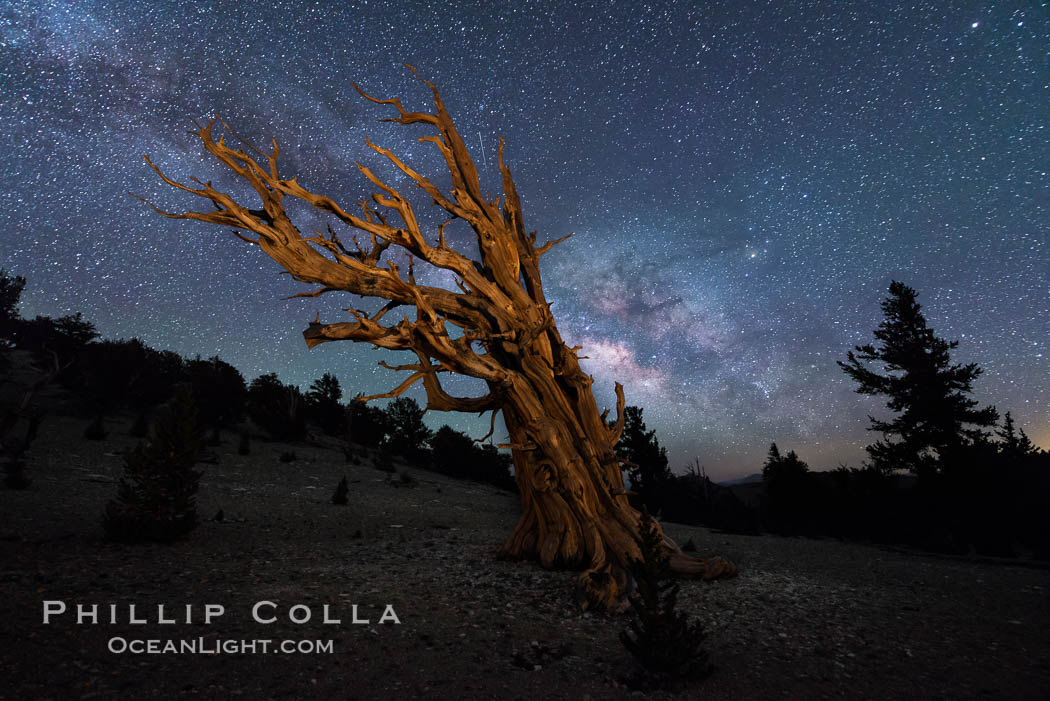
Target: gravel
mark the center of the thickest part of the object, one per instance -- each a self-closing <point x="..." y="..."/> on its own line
<point x="804" y="619"/>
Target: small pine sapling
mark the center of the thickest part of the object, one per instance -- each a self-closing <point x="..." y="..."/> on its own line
<point x="155" y="499"/>
<point x="662" y="639"/>
<point x="339" y="497"/>
<point x="244" y="447"/>
<point x="288" y="456"/>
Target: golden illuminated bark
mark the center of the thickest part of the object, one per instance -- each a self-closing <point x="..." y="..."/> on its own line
<point x="575" y="511"/>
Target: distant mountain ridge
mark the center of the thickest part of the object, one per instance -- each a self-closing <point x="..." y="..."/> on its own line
<point x="750" y="479"/>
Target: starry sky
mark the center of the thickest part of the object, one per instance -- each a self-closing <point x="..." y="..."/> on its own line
<point x="744" y="179"/>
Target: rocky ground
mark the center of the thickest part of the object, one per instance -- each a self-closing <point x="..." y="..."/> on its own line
<point x="804" y="619"/>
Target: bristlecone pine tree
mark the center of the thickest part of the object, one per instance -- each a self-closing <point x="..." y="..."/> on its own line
<point x="659" y="636"/>
<point x="496" y="326"/>
<point x="155" y="498"/>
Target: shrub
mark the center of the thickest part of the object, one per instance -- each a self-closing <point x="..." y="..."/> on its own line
<point x="339" y="497"/>
<point x="156" y="497"/>
<point x="662" y="639"/>
<point x="288" y="456"/>
<point x="277" y="408"/>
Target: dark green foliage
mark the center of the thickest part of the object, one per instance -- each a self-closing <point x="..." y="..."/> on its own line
<point x="790" y="494"/>
<point x="322" y="405"/>
<point x="339" y="496"/>
<point x="103" y="372"/>
<point x="10" y="292"/>
<point x="407" y="434"/>
<point x="365" y="424"/>
<point x="1014" y="442"/>
<point x="156" y="497"/>
<point x="456" y="454"/>
<point x="935" y="415"/>
<point x="221" y="393"/>
<point x="96" y="430"/>
<point x="157" y="378"/>
<point x="110" y="373"/>
<point x="65" y="337"/>
<point x="277" y="408"/>
<point x="244" y="446"/>
<point x="647" y="467"/>
<point x="661" y="638"/>
<point x="288" y="456"/>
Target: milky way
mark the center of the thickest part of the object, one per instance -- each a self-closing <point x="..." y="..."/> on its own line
<point x="743" y="180"/>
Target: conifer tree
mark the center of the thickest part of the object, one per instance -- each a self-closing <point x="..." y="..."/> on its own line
<point x="1014" y="441"/>
<point x="935" y="414"/>
<point x="322" y="404"/>
<point x="408" y="434"/>
<point x="156" y="497"/>
<point x="10" y="292"/>
<point x="647" y="466"/>
<point x="660" y="637"/>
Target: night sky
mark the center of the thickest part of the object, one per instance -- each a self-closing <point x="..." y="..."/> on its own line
<point x="743" y="179"/>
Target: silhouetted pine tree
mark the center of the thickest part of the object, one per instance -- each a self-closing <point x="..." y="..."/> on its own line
<point x="220" y="391"/>
<point x="789" y="495"/>
<point x="935" y="417"/>
<point x="10" y="292"/>
<point x="155" y="498"/>
<point x="647" y="467"/>
<point x="322" y="404"/>
<point x="661" y="638"/>
<point x="365" y="424"/>
<point x="1014" y="442"/>
<point x="277" y="408"/>
<point x="408" y="435"/>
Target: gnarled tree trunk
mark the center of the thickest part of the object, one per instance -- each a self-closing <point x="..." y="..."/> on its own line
<point x="575" y="511"/>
